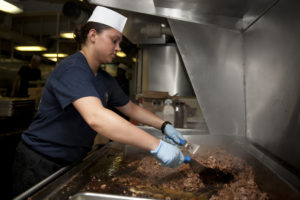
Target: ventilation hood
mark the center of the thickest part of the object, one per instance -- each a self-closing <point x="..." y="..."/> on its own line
<point x="230" y="14"/>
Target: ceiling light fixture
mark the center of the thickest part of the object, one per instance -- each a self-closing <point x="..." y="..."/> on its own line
<point x="53" y="59"/>
<point x="10" y="6"/>
<point x="68" y="35"/>
<point x="30" y="48"/>
<point x="121" y="54"/>
<point x="55" y="55"/>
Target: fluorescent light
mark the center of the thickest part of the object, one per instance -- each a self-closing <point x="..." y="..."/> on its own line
<point x="8" y="7"/>
<point x="53" y="59"/>
<point x="55" y="55"/>
<point x="121" y="54"/>
<point x="31" y="48"/>
<point x="68" y="35"/>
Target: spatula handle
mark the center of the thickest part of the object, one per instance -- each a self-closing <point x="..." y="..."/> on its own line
<point x="187" y="159"/>
<point x="181" y="141"/>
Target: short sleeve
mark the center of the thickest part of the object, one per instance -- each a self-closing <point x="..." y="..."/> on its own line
<point x="73" y="84"/>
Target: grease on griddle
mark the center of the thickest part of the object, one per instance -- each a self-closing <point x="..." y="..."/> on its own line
<point x="115" y="164"/>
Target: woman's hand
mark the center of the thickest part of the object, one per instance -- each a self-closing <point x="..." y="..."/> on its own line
<point x="174" y="136"/>
<point x="168" y="154"/>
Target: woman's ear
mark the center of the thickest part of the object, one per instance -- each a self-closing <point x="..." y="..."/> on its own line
<point x="92" y="35"/>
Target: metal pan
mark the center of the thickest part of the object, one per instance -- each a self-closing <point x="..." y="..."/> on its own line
<point x="98" y="196"/>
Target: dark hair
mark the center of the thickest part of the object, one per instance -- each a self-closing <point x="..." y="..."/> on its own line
<point x="82" y="31"/>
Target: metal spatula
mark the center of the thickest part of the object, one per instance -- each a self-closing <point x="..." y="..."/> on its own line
<point x="198" y="167"/>
<point x="186" y="146"/>
<point x="195" y="165"/>
<point x="191" y="148"/>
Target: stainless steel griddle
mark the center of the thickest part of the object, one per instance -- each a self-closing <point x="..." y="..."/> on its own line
<point x="105" y="162"/>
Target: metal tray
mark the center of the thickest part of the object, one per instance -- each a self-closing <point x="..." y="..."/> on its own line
<point x="98" y="196"/>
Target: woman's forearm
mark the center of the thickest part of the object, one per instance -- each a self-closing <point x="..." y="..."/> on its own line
<point x="141" y="115"/>
<point x="116" y="128"/>
<point x="112" y="126"/>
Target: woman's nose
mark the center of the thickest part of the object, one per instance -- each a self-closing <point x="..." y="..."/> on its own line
<point x="118" y="48"/>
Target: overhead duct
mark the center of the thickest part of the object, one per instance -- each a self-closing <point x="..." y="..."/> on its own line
<point x="155" y="30"/>
<point x="75" y="12"/>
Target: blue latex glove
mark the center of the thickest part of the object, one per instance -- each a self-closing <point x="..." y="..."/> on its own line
<point x="168" y="154"/>
<point x="174" y="136"/>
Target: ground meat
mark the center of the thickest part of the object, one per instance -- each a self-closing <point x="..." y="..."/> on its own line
<point x="226" y="177"/>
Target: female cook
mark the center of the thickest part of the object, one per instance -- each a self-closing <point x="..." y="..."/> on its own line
<point x="73" y="109"/>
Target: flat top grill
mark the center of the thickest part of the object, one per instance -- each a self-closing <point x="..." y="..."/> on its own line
<point x="112" y="161"/>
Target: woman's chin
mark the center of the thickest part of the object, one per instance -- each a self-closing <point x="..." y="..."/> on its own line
<point x="106" y="61"/>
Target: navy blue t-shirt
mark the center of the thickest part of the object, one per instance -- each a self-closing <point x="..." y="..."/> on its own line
<point x="58" y="130"/>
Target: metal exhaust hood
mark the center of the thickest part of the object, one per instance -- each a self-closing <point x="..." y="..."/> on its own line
<point x="229" y="14"/>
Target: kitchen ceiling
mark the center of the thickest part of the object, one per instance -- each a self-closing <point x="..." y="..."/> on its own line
<point x="43" y="20"/>
<point x="41" y="23"/>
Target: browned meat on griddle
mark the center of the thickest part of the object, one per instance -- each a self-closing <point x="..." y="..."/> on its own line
<point x="227" y="177"/>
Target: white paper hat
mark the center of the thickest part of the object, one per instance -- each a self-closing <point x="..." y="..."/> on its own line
<point x="108" y="17"/>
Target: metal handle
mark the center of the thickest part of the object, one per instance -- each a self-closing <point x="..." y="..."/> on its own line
<point x="187" y="159"/>
<point x="182" y="141"/>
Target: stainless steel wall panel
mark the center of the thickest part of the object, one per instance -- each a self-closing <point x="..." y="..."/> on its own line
<point x="256" y="9"/>
<point x="213" y="59"/>
<point x="272" y="82"/>
<point x="164" y="70"/>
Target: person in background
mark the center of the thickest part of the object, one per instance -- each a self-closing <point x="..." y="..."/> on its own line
<point x="74" y="108"/>
<point x="121" y="78"/>
<point x="30" y="72"/>
<point x="123" y="83"/>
